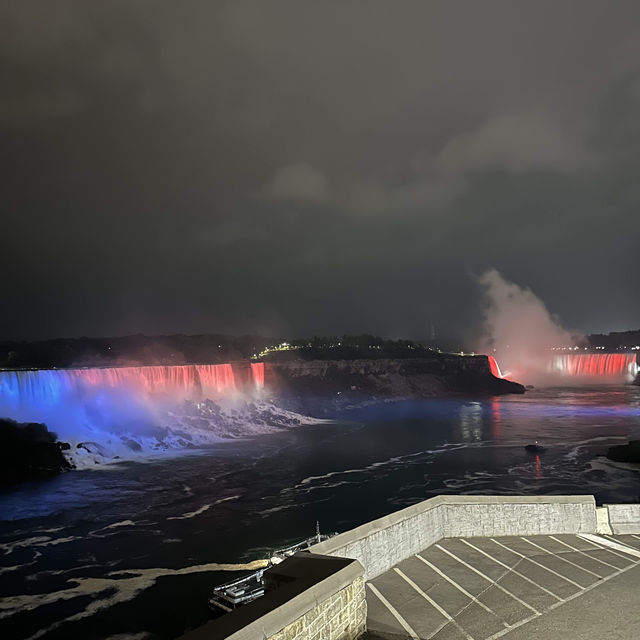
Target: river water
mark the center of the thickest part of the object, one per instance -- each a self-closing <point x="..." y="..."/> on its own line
<point x="132" y="551"/>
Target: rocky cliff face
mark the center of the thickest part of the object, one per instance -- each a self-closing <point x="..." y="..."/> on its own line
<point x="322" y="387"/>
<point x="28" y="451"/>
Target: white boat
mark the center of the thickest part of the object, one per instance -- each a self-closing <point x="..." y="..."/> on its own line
<point x="231" y="595"/>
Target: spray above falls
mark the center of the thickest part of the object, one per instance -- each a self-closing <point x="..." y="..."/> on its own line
<point x="518" y="328"/>
<point x="532" y="346"/>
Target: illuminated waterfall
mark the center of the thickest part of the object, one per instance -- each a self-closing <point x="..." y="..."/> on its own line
<point x="257" y="374"/>
<point x="215" y="377"/>
<point x="596" y="365"/>
<point x="188" y="380"/>
<point x="47" y="386"/>
<point x="112" y="406"/>
<point x="494" y="367"/>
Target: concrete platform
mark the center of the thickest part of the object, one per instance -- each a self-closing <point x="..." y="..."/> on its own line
<point x="560" y="586"/>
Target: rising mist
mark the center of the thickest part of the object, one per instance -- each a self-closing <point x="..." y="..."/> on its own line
<point x="519" y="330"/>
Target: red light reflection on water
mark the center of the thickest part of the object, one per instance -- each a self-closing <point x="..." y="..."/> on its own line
<point x="537" y="467"/>
<point x="496" y="419"/>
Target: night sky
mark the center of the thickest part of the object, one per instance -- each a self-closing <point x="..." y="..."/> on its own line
<point x="298" y="168"/>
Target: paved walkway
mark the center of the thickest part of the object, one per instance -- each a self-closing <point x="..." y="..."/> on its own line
<point x="511" y="587"/>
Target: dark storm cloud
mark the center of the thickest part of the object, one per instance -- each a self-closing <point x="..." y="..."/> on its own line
<point x="310" y="167"/>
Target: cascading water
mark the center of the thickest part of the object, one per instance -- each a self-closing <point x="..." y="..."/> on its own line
<point x="215" y="377"/>
<point x="187" y="380"/>
<point x="494" y="367"/>
<point x="47" y="386"/>
<point x="595" y="365"/>
<point x="257" y="374"/>
<point x="105" y="405"/>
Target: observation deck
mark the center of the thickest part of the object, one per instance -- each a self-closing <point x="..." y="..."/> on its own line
<point x="513" y="587"/>
<point x="458" y="568"/>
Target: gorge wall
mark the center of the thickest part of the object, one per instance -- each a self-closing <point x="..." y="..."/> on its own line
<point x="321" y="386"/>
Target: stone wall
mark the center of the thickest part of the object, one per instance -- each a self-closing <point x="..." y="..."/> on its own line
<point x="468" y="516"/>
<point x="342" y="616"/>
<point x="624" y="518"/>
<point x="381" y="544"/>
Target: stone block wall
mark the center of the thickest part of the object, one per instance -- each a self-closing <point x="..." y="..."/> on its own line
<point x="383" y="543"/>
<point x="624" y="518"/>
<point x="342" y="616"/>
<point x="469" y="516"/>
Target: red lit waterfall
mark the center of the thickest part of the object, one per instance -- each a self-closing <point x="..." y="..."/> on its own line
<point x="23" y="388"/>
<point x="183" y="380"/>
<point x="494" y="367"/>
<point x="257" y="374"/>
<point x="607" y="365"/>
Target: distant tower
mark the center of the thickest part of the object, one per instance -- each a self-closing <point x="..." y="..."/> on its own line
<point x="433" y="332"/>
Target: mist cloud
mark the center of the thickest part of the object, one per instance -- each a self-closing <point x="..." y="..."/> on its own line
<point x="519" y="329"/>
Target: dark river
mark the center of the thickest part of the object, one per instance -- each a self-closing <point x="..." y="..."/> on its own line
<point x="132" y="552"/>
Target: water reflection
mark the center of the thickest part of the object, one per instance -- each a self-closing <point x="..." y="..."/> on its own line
<point x="537" y="467"/>
<point x="496" y="419"/>
<point x="470" y="422"/>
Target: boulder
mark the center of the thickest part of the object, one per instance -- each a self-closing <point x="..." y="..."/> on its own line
<point x="625" y="452"/>
<point x="29" y="451"/>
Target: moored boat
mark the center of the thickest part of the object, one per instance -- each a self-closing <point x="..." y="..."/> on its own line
<point x="231" y="595"/>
